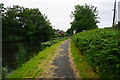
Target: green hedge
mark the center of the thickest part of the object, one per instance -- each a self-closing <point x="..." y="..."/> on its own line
<point x="101" y="48"/>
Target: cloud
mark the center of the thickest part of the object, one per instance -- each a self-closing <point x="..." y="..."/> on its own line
<point x="58" y="11"/>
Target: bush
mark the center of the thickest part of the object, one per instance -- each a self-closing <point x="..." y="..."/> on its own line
<point x="101" y="48"/>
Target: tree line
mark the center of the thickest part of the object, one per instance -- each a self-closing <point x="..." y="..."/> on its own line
<point x="19" y="23"/>
<point x="85" y="18"/>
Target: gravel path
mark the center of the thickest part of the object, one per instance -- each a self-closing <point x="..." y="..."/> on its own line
<point x="62" y="62"/>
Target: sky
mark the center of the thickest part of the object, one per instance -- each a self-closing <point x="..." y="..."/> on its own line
<point x="59" y="11"/>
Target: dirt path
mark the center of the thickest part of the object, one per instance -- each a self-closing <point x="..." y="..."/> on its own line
<point x="61" y="65"/>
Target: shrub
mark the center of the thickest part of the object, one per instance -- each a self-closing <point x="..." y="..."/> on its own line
<point x="101" y="48"/>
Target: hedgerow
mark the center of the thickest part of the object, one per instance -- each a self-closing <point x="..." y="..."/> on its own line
<point x="101" y="48"/>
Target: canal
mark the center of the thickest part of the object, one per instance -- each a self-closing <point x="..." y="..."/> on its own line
<point x="14" y="54"/>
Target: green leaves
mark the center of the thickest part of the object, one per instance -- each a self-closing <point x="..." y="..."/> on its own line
<point x="26" y="23"/>
<point x="85" y="18"/>
<point x="101" y="48"/>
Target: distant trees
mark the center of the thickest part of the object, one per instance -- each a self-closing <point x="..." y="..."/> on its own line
<point x="117" y="25"/>
<point x="85" y="18"/>
<point x="69" y="31"/>
<point x="19" y="23"/>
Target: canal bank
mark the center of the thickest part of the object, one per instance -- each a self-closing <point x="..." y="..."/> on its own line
<point x="14" y="54"/>
<point x="30" y="69"/>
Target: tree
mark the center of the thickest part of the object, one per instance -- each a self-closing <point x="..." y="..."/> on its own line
<point x="69" y="31"/>
<point x="85" y="18"/>
<point x="25" y="23"/>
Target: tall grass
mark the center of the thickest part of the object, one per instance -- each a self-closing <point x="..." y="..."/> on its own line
<point x="3" y="73"/>
<point x="21" y="56"/>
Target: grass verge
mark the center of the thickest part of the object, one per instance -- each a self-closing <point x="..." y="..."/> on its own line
<point x="84" y="69"/>
<point x="31" y="68"/>
<point x="101" y="49"/>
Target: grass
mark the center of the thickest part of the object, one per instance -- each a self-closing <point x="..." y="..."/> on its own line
<point x="83" y="67"/>
<point x="21" y="57"/>
<point x="101" y="49"/>
<point x="31" y="68"/>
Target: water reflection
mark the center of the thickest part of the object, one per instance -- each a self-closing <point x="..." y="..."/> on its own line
<point x="12" y="50"/>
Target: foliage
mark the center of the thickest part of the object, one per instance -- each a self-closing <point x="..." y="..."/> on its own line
<point x="117" y="26"/>
<point x="32" y="68"/>
<point x="69" y="31"/>
<point x="21" y="56"/>
<point x="58" y="35"/>
<point x="85" y="70"/>
<point x="3" y="73"/>
<point x="85" y="18"/>
<point x="101" y="48"/>
<point x="21" y="23"/>
<point x="51" y="42"/>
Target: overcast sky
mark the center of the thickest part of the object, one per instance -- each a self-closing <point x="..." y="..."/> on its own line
<point x="58" y="11"/>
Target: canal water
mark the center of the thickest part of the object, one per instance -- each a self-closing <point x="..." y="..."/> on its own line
<point x="15" y="53"/>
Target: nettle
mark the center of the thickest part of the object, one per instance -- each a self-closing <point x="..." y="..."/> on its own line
<point x="101" y="48"/>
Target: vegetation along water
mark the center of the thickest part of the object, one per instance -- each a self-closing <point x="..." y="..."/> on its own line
<point x="26" y="32"/>
<point x="32" y="68"/>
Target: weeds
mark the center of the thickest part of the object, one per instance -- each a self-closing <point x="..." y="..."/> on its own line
<point x="21" y="56"/>
<point x="83" y="67"/>
<point x="101" y="48"/>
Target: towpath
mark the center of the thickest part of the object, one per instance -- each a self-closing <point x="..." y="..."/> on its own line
<point x="62" y="64"/>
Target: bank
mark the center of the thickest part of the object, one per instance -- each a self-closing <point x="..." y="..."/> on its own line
<point x="31" y="68"/>
<point x="84" y="69"/>
<point x="100" y="48"/>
